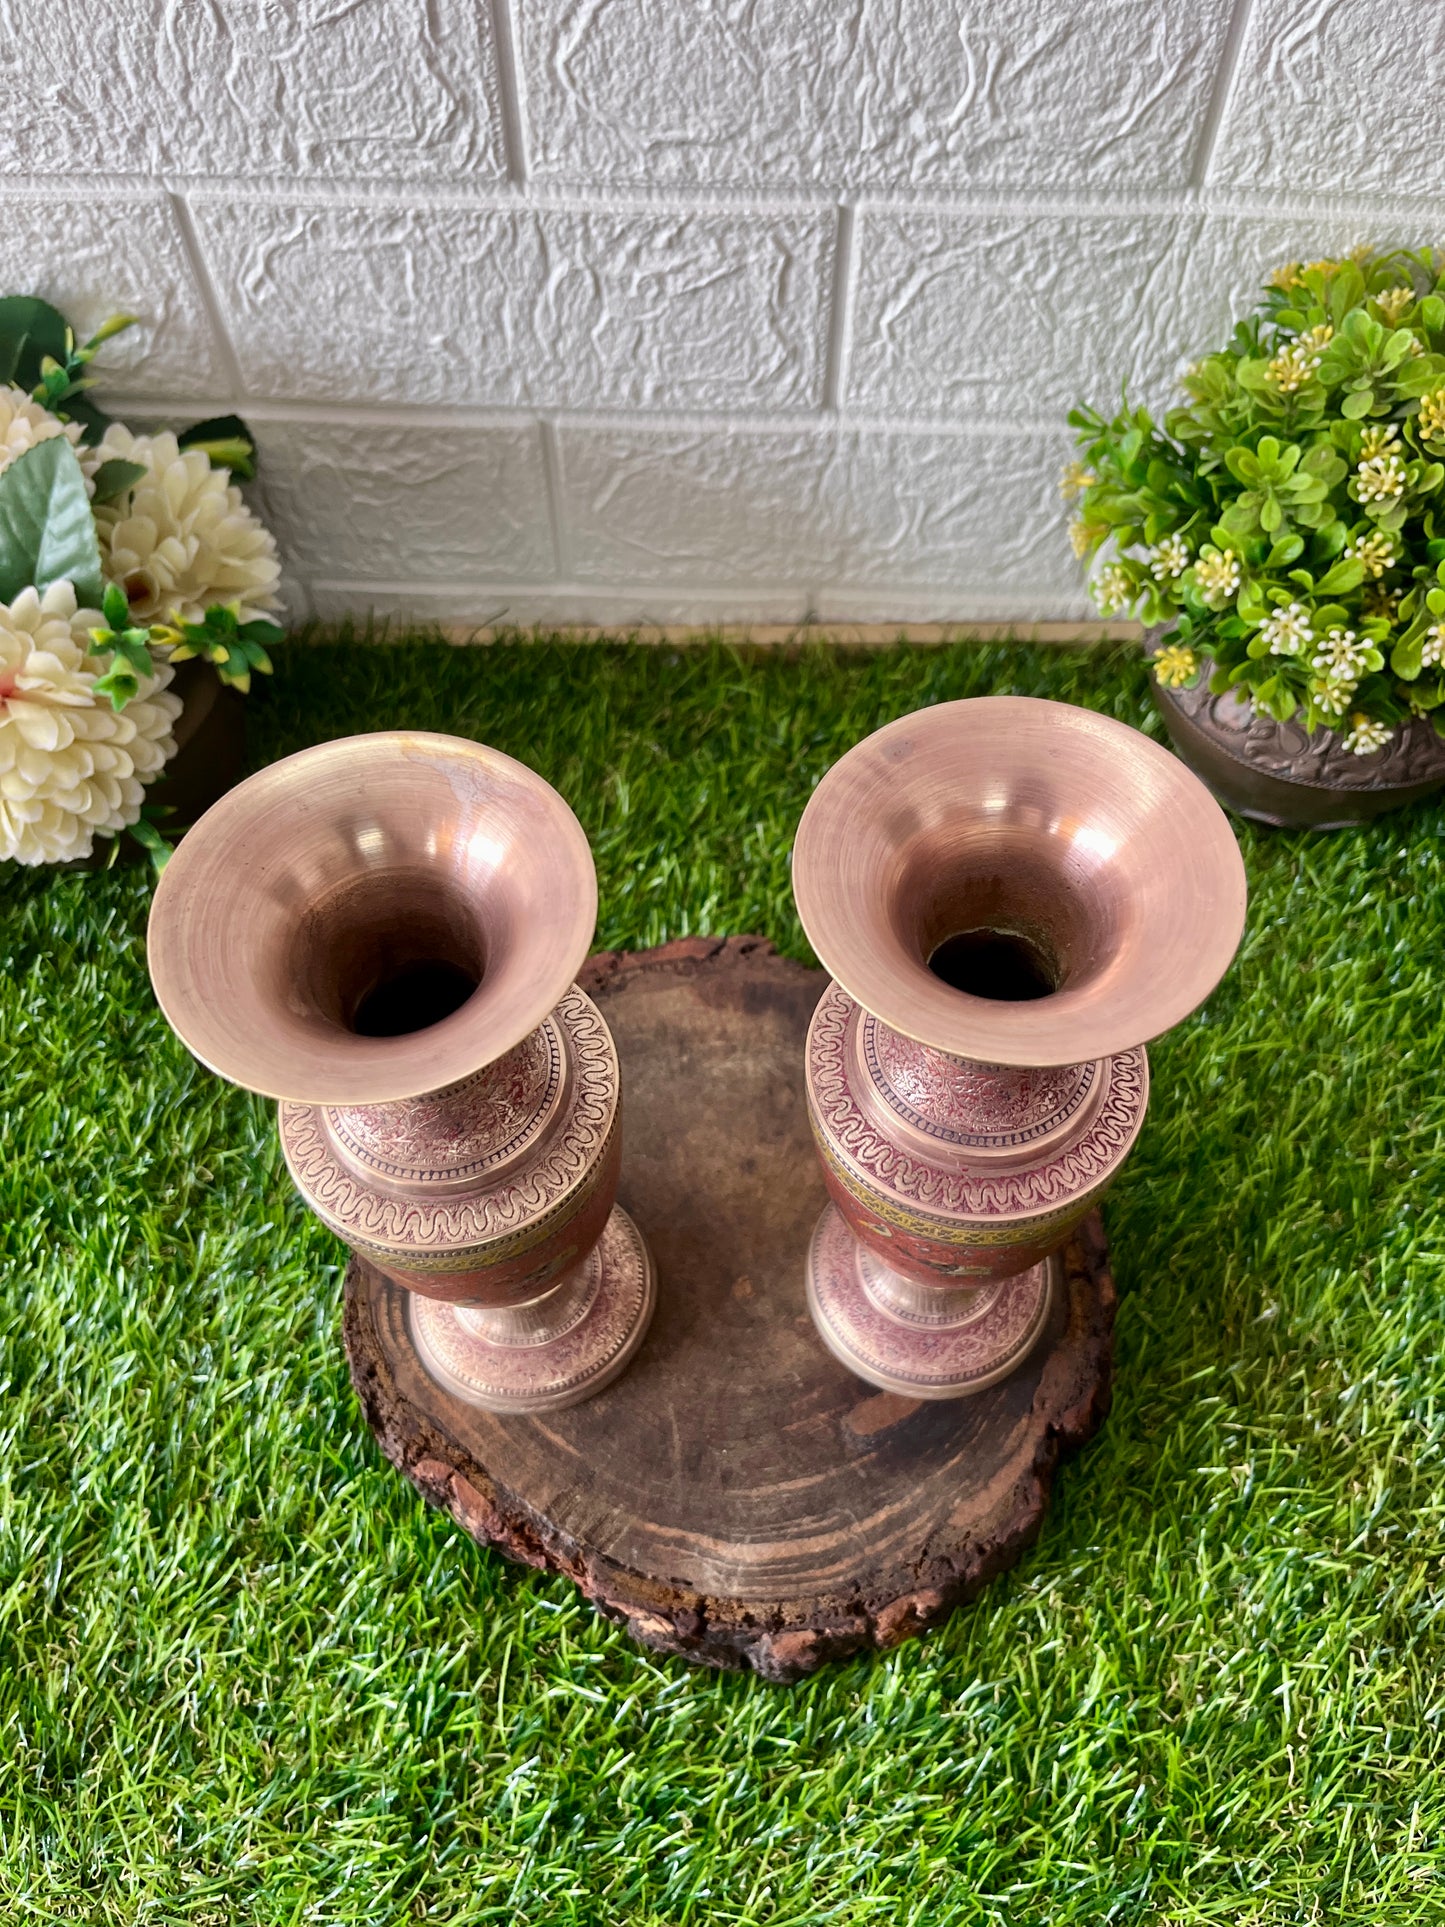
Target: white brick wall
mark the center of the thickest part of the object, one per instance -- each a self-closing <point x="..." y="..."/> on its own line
<point x="643" y="309"/>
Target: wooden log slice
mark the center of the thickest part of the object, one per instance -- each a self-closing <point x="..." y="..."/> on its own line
<point x="737" y="1496"/>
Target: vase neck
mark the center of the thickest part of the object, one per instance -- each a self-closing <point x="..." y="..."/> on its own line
<point x="468" y="1131"/>
<point x="977" y="1108"/>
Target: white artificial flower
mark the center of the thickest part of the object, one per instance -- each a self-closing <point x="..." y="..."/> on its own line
<point x="70" y="765"/>
<point x="1331" y="695"/>
<point x="1375" y="551"/>
<point x="1168" y="558"/>
<point x="1217" y="575"/>
<point x="1380" y="478"/>
<point x="1341" y="657"/>
<point x="1113" y="589"/>
<point x="1287" y="630"/>
<point x="1365" y="737"/>
<point x="183" y="539"/>
<point x="1432" y="650"/>
<point x="1392" y="303"/>
<point x="24" y="424"/>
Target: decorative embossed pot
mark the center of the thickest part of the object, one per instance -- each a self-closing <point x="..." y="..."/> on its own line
<point x="1012" y="897"/>
<point x="382" y="932"/>
<point x="1279" y="774"/>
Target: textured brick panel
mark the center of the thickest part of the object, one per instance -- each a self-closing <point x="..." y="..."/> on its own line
<point x="389" y="88"/>
<point x="902" y="93"/>
<point x="101" y="254"/>
<point x="646" y="308"/>
<point x="1005" y="315"/>
<point x="406" y="504"/>
<point x="834" y="511"/>
<point x="1338" y="96"/>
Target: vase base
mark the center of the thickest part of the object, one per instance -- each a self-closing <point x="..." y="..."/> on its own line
<point x="921" y="1341"/>
<point x="556" y="1350"/>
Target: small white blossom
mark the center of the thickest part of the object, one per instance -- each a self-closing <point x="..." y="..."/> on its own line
<point x="1375" y="550"/>
<point x="1341" y="656"/>
<point x="1432" y="650"/>
<point x="1168" y="558"/>
<point x="1331" y="696"/>
<point x="1113" y="589"/>
<point x="1392" y="303"/>
<point x="1380" y="438"/>
<point x="1366" y="736"/>
<point x="1287" y="630"/>
<point x="1294" y="365"/>
<point x="1217" y="577"/>
<point x="1380" y="478"/>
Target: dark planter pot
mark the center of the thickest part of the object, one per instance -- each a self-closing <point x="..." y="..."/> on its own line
<point x="210" y="759"/>
<point x="1277" y="773"/>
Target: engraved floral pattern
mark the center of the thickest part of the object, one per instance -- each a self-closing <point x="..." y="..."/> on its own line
<point x="521" y="1203"/>
<point x="952" y="1098"/>
<point x="466" y="1129"/>
<point x="1079" y="1165"/>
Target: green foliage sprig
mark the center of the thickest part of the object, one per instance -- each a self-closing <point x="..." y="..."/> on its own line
<point x="233" y="647"/>
<point x="1288" y="521"/>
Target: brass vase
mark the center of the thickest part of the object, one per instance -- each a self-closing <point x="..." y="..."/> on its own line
<point x="1012" y="898"/>
<point x="382" y="933"/>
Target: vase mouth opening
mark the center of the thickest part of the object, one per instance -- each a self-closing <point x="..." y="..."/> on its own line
<point x="372" y="919"/>
<point x="1018" y="882"/>
<point x="1002" y="966"/>
<point x="388" y="955"/>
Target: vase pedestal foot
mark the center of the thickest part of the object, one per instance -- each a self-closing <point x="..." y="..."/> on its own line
<point x="555" y="1350"/>
<point x="921" y="1341"/>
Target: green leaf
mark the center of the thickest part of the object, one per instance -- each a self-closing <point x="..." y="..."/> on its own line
<point x="1347" y="288"/>
<point x="47" y="531"/>
<point x="1405" y="657"/>
<point x="1358" y="404"/>
<point x="114" y="606"/>
<point x="119" y="683"/>
<point x="226" y="441"/>
<point x="150" y="839"/>
<point x="116" y="478"/>
<point x="1343" y="575"/>
<point x="30" y="331"/>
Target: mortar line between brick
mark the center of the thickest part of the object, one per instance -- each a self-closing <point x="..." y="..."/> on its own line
<point x="206" y="288"/>
<point x="840" y="313"/>
<point x="552" y="472"/>
<point x="479" y="417"/>
<point x="994" y="607"/>
<point x="1235" y="36"/>
<point x="512" y="91"/>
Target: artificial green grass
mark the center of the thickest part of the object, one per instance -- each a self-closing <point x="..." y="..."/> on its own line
<point x="246" y="1675"/>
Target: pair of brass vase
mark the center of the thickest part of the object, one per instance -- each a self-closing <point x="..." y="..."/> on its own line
<point x="1011" y="897"/>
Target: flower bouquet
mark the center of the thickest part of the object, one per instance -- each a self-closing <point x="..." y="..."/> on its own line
<point x="121" y="556"/>
<point x="1286" y="528"/>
